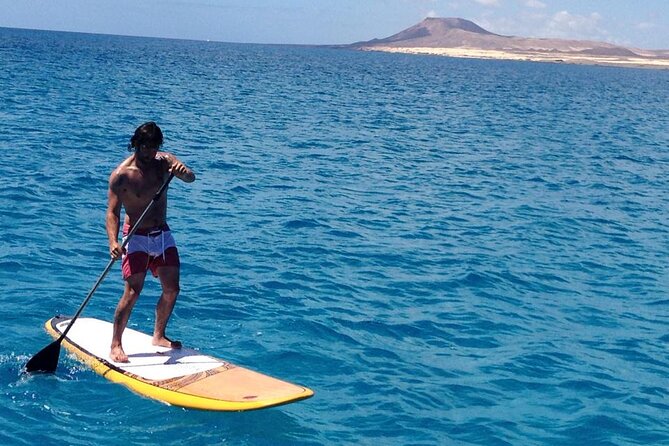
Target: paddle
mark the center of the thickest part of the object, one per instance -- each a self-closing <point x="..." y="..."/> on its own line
<point x="46" y="360"/>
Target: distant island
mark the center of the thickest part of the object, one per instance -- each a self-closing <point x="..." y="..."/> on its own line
<point x="457" y="37"/>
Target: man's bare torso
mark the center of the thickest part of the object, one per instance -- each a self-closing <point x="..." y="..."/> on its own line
<point x="136" y="185"/>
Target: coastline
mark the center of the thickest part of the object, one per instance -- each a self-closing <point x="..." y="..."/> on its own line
<point x="567" y="58"/>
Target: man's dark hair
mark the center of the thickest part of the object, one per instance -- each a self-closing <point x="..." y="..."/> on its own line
<point x="147" y="134"/>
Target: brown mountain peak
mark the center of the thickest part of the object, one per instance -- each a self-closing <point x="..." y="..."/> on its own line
<point x="433" y="31"/>
<point x="438" y="25"/>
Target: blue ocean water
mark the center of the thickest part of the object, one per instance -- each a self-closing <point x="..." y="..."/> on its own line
<point x="447" y="251"/>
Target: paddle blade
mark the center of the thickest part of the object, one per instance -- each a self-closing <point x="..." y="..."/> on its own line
<point x="46" y="360"/>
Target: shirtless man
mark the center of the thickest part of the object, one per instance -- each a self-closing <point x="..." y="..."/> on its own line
<point x="132" y="185"/>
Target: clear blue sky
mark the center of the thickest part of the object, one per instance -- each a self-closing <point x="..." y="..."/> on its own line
<point x="640" y="23"/>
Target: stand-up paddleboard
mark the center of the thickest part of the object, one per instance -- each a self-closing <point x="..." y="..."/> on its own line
<point x="180" y="377"/>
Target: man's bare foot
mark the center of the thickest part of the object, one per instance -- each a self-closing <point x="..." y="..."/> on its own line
<point x="118" y="355"/>
<point x="164" y="342"/>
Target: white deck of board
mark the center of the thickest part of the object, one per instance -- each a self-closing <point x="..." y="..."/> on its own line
<point x="146" y="360"/>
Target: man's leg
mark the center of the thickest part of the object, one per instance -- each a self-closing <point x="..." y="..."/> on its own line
<point x="169" y="280"/>
<point x="133" y="287"/>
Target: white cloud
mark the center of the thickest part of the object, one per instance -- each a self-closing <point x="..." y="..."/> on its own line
<point x="432" y="14"/>
<point x="564" y="24"/>
<point x="488" y="2"/>
<point x="644" y="26"/>
<point x="535" y="4"/>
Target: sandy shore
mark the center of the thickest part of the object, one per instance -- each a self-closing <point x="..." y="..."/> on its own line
<point x="640" y="62"/>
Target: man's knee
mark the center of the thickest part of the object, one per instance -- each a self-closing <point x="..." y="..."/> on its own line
<point x="171" y="291"/>
<point x="134" y="284"/>
<point x="132" y="294"/>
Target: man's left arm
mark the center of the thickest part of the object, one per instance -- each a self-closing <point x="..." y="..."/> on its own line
<point x="179" y="169"/>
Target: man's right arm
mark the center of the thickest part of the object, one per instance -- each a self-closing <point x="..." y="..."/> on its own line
<point x="113" y="218"/>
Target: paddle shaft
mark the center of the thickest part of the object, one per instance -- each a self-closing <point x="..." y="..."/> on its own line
<point x="113" y="260"/>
